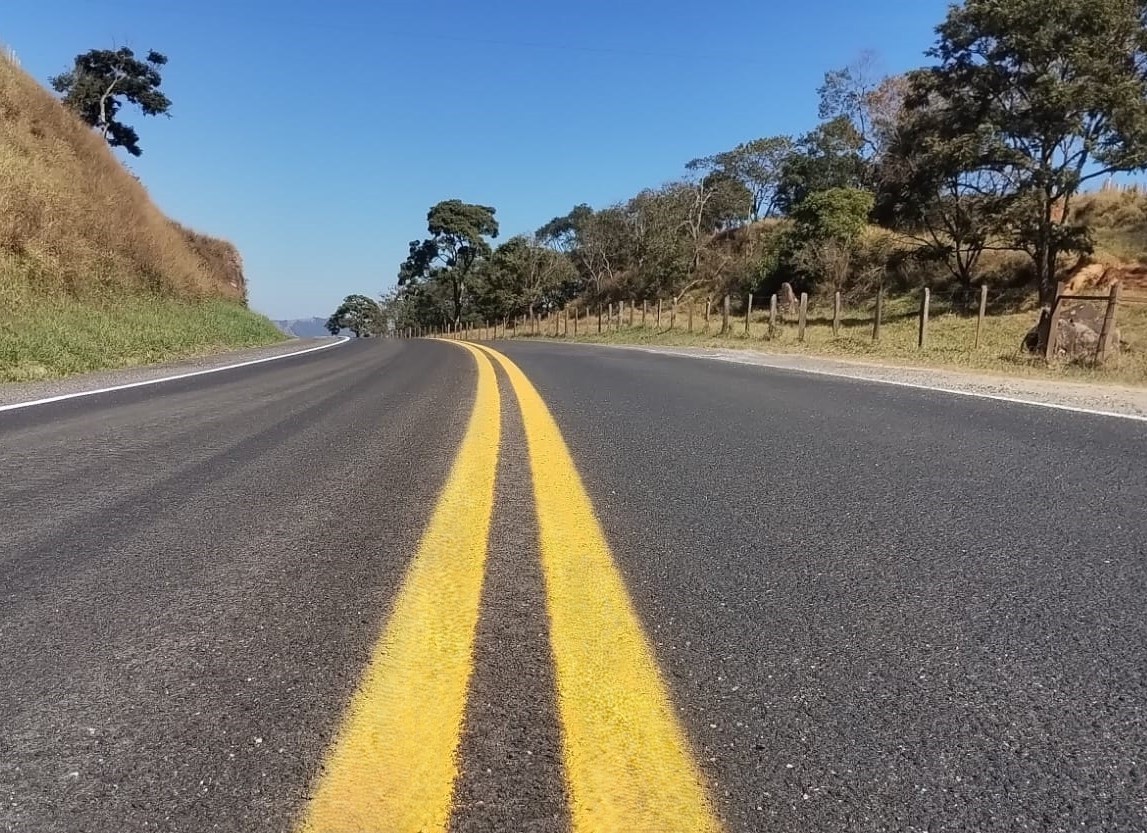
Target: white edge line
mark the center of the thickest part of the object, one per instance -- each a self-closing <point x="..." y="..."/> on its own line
<point x="78" y="394"/>
<point x="915" y="385"/>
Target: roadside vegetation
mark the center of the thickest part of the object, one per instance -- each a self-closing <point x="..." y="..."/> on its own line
<point x="92" y="274"/>
<point x="1004" y="160"/>
<point x="951" y="340"/>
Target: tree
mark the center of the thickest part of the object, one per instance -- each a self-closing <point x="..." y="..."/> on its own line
<point x="1055" y="94"/>
<point x="357" y="313"/>
<point x="829" y="157"/>
<point x="101" y="81"/>
<point x="827" y="226"/>
<point x="849" y="93"/>
<point x="524" y="276"/>
<point x="564" y="233"/>
<point x="836" y="214"/>
<point x="608" y="247"/>
<point x="933" y="190"/>
<point x="457" y="241"/>
<point x="757" y="165"/>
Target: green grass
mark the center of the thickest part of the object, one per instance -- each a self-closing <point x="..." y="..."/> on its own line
<point x="950" y="341"/>
<point x="51" y="336"/>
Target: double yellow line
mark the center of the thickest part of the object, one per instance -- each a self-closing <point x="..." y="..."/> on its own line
<point x="627" y="763"/>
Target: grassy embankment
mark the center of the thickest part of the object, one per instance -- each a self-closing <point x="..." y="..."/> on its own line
<point x="92" y="274"/>
<point x="1119" y="222"/>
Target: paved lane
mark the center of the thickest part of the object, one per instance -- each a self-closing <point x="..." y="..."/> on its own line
<point x="193" y="576"/>
<point x="711" y="597"/>
<point x="879" y="609"/>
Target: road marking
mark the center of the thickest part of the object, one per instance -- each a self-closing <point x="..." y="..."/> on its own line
<point x="998" y="397"/>
<point x="176" y="377"/>
<point x="628" y="765"/>
<point x="393" y="765"/>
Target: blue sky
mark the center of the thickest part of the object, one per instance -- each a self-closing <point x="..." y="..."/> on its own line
<point x="316" y="135"/>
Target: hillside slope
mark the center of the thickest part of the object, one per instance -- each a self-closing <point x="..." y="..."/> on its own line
<point x="92" y="274"/>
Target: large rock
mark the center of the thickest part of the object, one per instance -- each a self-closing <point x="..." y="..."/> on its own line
<point x="1079" y="327"/>
<point x="787" y="302"/>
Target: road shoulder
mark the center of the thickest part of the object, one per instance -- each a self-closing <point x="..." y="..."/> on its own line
<point x="15" y="393"/>
<point x="1109" y="399"/>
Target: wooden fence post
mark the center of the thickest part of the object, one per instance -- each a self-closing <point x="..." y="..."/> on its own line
<point x="644" y="311"/>
<point x="836" y="315"/>
<point x="771" y="331"/>
<point x="690" y="315"/>
<point x="620" y="314"/>
<point x="802" y="322"/>
<point x="657" y="320"/>
<point x="609" y="319"/>
<point x="748" y="313"/>
<point x="725" y="317"/>
<point x="708" y="308"/>
<point x="925" y="302"/>
<point x="980" y="317"/>
<point x="1052" y="339"/>
<point x="631" y="305"/>
<point x="879" y="314"/>
<point x="673" y="315"/>
<point x="599" y="313"/>
<point x="1107" y="334"/>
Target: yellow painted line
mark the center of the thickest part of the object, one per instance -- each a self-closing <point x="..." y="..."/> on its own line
<point x="393" y="765"/>
<point x="628" y="765"/>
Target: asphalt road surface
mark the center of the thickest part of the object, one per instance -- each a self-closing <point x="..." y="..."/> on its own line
<point x="419" y="586"/>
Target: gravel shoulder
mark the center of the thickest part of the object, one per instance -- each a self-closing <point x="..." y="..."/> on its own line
<point x="17" y="392"/>
<point x="1113" y="399"/>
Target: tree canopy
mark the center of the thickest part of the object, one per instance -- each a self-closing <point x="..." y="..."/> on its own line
<point x="457" y="241"/>
<point x="101" y="81"/>
<point x="359" y="314"/>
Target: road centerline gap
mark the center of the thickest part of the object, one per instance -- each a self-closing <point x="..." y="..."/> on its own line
<point x="510" y="760"/>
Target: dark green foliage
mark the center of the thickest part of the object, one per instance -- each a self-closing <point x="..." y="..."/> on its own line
<point x="359" y="314"/>
<point x="828" y="157"/>
<point x="456" y="243"/>
<point x="101" y="81"/>
<point x="1052" y="94"/>
<point x="835" y="214"/>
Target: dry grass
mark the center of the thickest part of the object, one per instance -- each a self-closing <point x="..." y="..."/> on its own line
<point x="75" y="220"/>
<point x="950" y="343"/>
<point x="1118" y="219"/>
<point x="92" y="274"/>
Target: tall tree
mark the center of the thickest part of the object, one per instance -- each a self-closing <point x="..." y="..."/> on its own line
<point x="564" y="233"/>
<point x="826" y="158"/>
<point x="357" y="313"/>
<point x="101" y="81"/>
<point x="458" y="233"/>
<point x="933" y="190"/>
<point x="1056" y="92"/>
<point x="850" y="93"/>
<point x="757" y="165"/>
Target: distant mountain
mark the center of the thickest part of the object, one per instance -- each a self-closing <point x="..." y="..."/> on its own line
<point x="306" y="327"/>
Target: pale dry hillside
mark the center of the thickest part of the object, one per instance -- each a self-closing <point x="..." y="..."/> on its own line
<point x="92" y="274"/>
